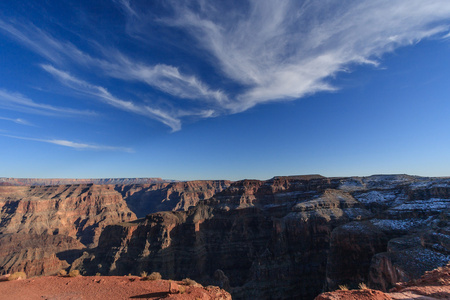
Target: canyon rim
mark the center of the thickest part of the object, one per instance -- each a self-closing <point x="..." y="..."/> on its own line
<point x="290" y="237"/>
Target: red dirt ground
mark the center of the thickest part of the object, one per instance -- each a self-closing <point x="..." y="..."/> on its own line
<point x="102" y="287"/>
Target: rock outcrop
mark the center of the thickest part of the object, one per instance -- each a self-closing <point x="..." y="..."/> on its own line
<point x="41" y="225"/>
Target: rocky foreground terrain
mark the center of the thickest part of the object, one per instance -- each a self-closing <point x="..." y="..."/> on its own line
<point x="284" y="238"/>
<point x="106" y="287"/>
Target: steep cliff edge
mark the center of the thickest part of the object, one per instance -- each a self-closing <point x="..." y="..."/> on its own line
<point x="266" y="238"/>
<point x="38" y="223"/>
<point x="408" y="235"/>
<point x="284" y="238"/>
<point x="288" y="237"/>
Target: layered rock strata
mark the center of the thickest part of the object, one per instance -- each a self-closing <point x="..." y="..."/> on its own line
<point x="40" y="223"/>
<point x="407" y="236"/>
<point x="288" y="237"/>
<point x="285" y="238"/>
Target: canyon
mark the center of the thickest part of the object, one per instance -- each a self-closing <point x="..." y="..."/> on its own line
<point x="289" y="237"/>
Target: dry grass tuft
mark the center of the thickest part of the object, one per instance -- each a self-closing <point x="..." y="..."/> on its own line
<point x="362" y="286"/>
<point x="17" y="275"/>
<point x="343" y="287"/>
<point x="143" y="274"/>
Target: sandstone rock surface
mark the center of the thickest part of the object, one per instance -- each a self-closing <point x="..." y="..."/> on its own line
<point x="43" y="227"/>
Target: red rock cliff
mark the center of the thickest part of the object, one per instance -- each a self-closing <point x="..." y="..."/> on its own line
<point x="47" y="220"/>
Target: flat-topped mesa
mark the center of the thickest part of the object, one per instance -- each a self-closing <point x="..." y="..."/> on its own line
<point x="281" y="190"/>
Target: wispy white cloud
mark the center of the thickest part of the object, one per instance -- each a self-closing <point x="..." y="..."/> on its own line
<point x="272" y="50"/>
<point x="163" y="77"/>
<point x="288" y="49"/>
<point x="126" y="6"/>
<point x="74" y="145"/>
<point x="18" y="102"/>
<point x="115" y="64"/>
<point x="44" y="44"/>
<point x="17" y="121"/>
<point x="104" y="95"/>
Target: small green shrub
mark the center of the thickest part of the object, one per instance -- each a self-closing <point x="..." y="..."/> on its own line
<point x="17" y="275"/>
<point x="74" y="273"/>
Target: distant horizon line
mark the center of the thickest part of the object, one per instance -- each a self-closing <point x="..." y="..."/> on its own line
<point x="160" y="179"/>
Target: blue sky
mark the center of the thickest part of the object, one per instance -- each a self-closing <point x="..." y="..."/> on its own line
<point x="224" y="89"/>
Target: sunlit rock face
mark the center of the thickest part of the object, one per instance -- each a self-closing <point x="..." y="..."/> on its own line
<point x="41" y="224"/>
